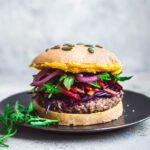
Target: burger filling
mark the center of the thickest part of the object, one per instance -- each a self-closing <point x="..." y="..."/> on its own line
<point x="77" y="93"/>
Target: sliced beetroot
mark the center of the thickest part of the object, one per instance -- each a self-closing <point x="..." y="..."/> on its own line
<point x="69" y="93"/>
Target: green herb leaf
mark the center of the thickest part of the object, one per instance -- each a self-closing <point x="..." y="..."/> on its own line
<point x="124" y="78"/>
<point x="50" y="95"/>
<point x="43" y="123"/>
<point x="20" y="113"/>
<point x="30" y="108"/>
<point x="50" y="88"/>
<point x="6" y="113"/>
<point x="117" y="77"/>
<point x="2" y="144"/>
<point x="32" y="90"/>
<point x="104" y="76"/>
<point x="94" y="84"/>
<point x="57" y="90"/>
<point x="62" y="77"/>
<point x="68" y="82"/>
<point x="8" y="135"/>
<point x="8" y="126"/>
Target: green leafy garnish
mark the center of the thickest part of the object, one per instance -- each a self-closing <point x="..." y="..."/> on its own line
<point x="30" y="107"/>
<point x="51" y="88"/>
<point x="19" y="113"/>
<point x="32" y="90"/>
<point x="63" y="77"/>
<point x="117" y="77"/>
<point x="107" y="76"/>
<point x="104" y="76"/>
<point x="6" y="113"/>
<point x="68" y="80"/>
<point x="7" y="126"/>
<point x="94" y="84"/>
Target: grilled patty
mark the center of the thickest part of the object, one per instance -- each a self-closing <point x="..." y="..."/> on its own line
<point x="90" y="106"/>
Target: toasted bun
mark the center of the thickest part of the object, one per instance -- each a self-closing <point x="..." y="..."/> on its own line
<point x="81" y="119"/>
<point x="79" y="59"/>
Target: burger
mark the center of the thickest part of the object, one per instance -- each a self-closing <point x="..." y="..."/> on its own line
<point x="78" y="84"/>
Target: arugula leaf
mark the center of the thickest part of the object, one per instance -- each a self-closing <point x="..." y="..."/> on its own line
<point x="6" y="113"/>
<point x="105" y="76"/>
<point x="30" y="108"/>
<point x="56" y="90"/>
<point x="63" y="77"/>
<point x="94" y="84"/>
<point x="8" y="126"/>
<point x="25" y="116"/>
<point x="50" y="95"/>
<point x="124" y="78"/>
<point x="117" y="77"/>
<point x="42" y="122"/>
<point x="10" y="133"/>
<point x="20" y="113"/>
<point x="50" y="88"/>
<point x="32" y="90"/>
<point x="68" y="82"/>
<point x="2" y="144"/>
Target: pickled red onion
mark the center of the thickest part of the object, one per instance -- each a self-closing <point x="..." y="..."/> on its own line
<point x="81" y="78"/>
<point x="36" y="81"/>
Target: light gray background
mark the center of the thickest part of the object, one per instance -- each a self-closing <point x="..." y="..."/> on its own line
<point x="28" y="27"/>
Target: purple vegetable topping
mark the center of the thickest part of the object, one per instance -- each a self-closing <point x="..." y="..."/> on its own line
<point x="81" y="78"/>
<point x="48" y="106"/>
<point x="36" y="81"/>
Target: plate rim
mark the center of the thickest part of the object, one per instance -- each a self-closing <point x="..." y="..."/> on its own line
<point x="93" y="130"/>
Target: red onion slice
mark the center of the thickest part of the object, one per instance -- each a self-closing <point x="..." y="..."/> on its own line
<point x="36" y="81"/>
<point x="81" y="78"/>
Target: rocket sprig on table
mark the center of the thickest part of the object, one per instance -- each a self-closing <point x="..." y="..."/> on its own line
<point x="19" y="113"/>
<point x="7" y="127"/>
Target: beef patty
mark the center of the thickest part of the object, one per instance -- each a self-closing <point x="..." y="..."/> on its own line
<point x="90" y="106"/>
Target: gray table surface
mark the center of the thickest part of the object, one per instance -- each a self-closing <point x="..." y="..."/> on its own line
<point x="136" y="137"/>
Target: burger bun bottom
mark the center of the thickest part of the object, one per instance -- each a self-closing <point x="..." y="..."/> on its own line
<point x="69" y="119"/>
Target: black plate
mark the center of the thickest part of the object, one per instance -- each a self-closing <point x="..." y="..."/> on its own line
<point x="136" y="110"/>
